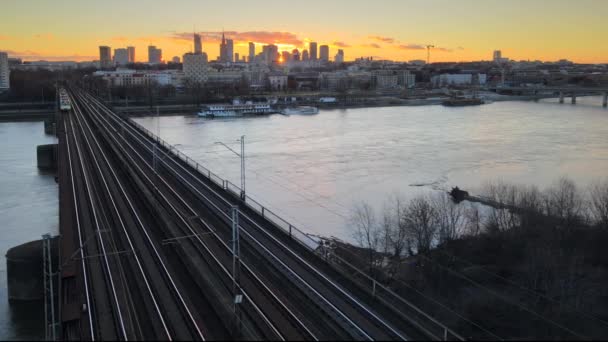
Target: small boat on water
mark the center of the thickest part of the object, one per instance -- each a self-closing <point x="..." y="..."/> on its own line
<point x="223" y="111"/>
<point x="462" y="101"/>
<point x="300" y="110"/>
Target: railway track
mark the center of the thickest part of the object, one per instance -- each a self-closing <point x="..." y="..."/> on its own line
<point x="340" y="314"/>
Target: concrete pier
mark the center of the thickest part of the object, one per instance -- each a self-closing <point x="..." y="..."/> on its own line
<point x="47" y="156"/>
<point x="605" y="101"/>
<point x="573" y="98"/>
<point x="24" y="270"/>
<point x="561" y="97"/>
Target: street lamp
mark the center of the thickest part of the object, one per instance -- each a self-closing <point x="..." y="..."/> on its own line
<point x="242" y="156"/>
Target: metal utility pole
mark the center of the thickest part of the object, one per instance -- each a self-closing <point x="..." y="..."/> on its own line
<point x="242" y="156"/>
<point x="428" y="53"/>
<point x="236" y="270"/>
<point x="242" y="167"/>
<point x="49" y="290"/>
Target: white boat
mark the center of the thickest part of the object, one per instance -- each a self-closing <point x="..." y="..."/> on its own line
<point x="301" y="110"/>
<point x="235" y="110"/>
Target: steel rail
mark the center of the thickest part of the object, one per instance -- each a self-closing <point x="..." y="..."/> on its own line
<point x="194" y="234"/>
<point x="156" y="253"/>
<point x="100" y="238"/>
<point x="122" y="224"/>
<point x="80" y="241"/>
<point x="264" y="231"/>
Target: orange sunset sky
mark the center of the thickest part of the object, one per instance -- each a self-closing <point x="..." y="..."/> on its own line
<point x="461" y="30"/>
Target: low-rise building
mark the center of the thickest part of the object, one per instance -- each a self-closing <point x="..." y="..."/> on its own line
<point x="5" y="72"/>
<point x="458" y="79"/>
<point x="278" y="82"/>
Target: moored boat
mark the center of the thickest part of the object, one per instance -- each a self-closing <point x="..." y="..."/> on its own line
<point x="235" y="110"/>
<point x="300" y="110"/>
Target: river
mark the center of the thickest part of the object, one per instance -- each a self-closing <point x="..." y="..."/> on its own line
<point x="312" y="169"/>
<point x="28" y="209"/>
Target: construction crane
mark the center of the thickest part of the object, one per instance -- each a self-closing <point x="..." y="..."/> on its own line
<point x="428" y="53"/>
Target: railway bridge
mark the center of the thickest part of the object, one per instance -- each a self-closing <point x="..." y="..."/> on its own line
<point x="154" y="246"/>
<point x="561" y="92"/>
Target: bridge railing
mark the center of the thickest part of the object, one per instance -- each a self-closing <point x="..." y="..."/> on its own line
<point x="415" y="315"/>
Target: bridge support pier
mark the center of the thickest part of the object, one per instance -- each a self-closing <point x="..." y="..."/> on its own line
<point x="573" y="98"/>
<point x="605" y="101"/>
<point x="561" y="97"/>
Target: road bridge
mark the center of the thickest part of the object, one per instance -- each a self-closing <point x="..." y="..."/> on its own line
<point x="154" y="246"/>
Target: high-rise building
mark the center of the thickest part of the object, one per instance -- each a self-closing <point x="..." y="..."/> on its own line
<point x="131" y="52"/>
<point x="230" y="49"/>
<point x="270" y="53"/>
<point x="305" y="56"/>
<point x="224" y="56"/>
<point x="198" y="45"/>
<point x="324" y="53"/>
<point x="5" y="72"/>
<point x="176" y="60"/>
<point x="313" y="51"/>
<point x="251" y="52"/>
<point x="339" y="57"/>
<point x="155" y="56"/>
<point x="237" y="57"/>
<point x="121" y="57"/>
<point x="295" y="55"/>
<point x="497" y="57"/>
<point x="195" y="67"/>
<point x="105" y="57"/>
<point x="285" y="56"/>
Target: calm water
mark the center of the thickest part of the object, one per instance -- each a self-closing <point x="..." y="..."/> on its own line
<point x="312" y="169"/>
<point x="28" y="209"/>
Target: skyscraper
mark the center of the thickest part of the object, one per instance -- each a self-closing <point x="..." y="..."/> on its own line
<point x="131" y="52"/>
<point x="121" y="57"/>
<point x="251" y="52"/>
<point x="295" y="54"/>
<point x="324" y="53"/>
<point x="224" y="50"/>
<point x="305" y="56"/>
<point x="339" y="57"/>
<point x="497" y="56"/>
<point x="155" y="56"/>
<point x="105" y="57"/>
<point x="198" y="45"/>
<point x="230" y="49"/>
<point x="237" y="57"/>
<point x="5" y="72"/>
<point x="176" y="60"/>
<point x="313" y="51"/>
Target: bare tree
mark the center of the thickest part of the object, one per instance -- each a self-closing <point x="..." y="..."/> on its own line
<point x="473" y="220"/>
<point x="450" y="218"/>
<point x="564" y="201"/>
<point x="421" y="220"/>
<point x="366" y="231"/>
<point x="599" y="203"/>
<point x="502" y="219"/>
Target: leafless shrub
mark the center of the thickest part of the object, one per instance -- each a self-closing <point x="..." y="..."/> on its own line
<point x="599" y="203"/>
<point x="564" y="201"/>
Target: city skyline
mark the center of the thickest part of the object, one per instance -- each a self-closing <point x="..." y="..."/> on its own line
<point x="392" y="30"/>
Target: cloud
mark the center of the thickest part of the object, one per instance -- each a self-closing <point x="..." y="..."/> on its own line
<point x="120" y="39"/>
<point x="412" y="47"/>
<point x="265" y="37"/>
<point x="47" y="36"/>
<point x="444" y="49"/>
<point x="341" y="44"/>
<point x="372" y="45"/>
<point x="388" y="40"/>
<point x="29" y="55"/>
